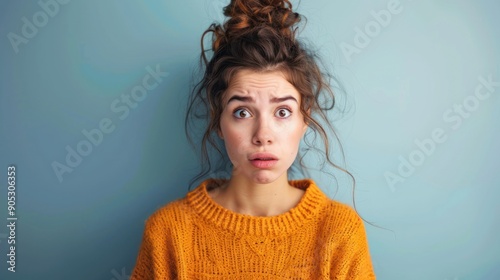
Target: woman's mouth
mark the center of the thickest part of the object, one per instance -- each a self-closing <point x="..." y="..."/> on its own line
<point x="264" y="163"/>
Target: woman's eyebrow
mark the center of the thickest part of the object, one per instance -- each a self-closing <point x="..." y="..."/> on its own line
<point x="250" y="99"/>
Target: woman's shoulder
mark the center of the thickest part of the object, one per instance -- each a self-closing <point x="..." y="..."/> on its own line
<point x="340" y="207"/>
<point x="341" y="215"/>
<point x="171" y="212"/>
<point x="331" y="207"/>
<point x="331" y="211"/>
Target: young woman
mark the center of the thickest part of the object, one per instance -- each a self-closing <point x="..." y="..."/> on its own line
<point x="262" y="91"/>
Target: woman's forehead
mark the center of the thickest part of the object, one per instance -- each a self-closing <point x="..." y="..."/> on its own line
<point x="247" y="82"/>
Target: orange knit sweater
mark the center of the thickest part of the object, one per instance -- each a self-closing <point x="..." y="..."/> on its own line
<point x="196" y="238"/>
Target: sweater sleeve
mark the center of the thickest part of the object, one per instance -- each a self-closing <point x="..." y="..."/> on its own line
<point x="354" y="262"/>
<point x="153" y="260"/>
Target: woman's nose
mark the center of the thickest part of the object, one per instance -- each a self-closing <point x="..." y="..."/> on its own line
<point x="263" y="132"/>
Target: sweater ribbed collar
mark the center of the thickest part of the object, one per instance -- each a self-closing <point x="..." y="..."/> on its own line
<point x="307" y="209"/>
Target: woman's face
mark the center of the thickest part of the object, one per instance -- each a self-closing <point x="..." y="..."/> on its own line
<point x="261" y="125"/>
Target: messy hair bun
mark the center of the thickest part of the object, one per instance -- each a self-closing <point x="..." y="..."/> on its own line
<point x="259" y="35"/>
<point x="245" y="16"/>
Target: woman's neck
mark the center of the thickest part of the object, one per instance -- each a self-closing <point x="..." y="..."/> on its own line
<point x="263" y="200"/>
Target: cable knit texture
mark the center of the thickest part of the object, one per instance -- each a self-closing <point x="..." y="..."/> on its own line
<point x="196" y="238"/>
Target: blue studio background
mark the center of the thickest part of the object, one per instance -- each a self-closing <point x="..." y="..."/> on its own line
<point x="92" y="100"/>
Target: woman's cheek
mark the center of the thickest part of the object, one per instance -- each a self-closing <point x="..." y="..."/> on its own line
<point x="236" y="150"/>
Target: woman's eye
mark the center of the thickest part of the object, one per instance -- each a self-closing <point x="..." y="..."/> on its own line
<point x="241" y="114"/>
<point x="283" y="113"/>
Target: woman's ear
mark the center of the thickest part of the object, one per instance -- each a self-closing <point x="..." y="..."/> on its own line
<point x="306" y="122"/>
<point x="304" y="129"/>
<point x="219" y="132"/>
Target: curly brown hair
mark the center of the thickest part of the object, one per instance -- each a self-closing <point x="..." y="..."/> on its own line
<point x="259" y="35"/>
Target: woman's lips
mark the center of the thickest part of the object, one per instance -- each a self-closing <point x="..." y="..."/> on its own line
<point x="262" y="156"/>
<point x="263" y="163"/>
